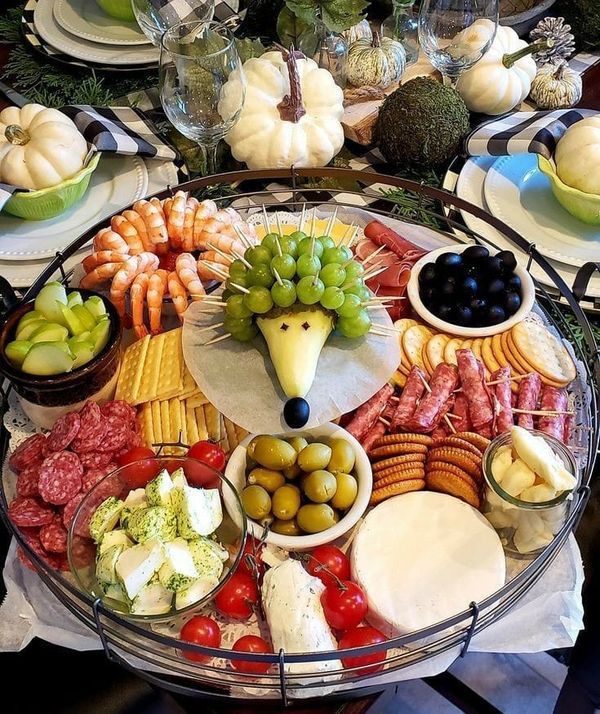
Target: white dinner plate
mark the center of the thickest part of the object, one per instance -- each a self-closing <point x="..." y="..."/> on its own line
<point x="86" y="19"/>
<point x="59" y="38"/>
<point x="22" y="274"/>
<point x="519" y="194"/>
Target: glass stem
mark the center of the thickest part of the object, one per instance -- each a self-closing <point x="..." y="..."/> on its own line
<point x="450" y="81"/>
<point x="209" y="152"/>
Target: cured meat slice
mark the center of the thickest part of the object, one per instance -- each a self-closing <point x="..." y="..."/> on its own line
<point x="117" y="434"/>
<point x="428" y="413"/>
<point x="33" y="541"/>
<point x="30" y="513"/>
<point x="27" y="482"/>
<point x="83" y="551"/>
<point x="553" y="399"/>
<point x="93" y="476"/>
<point x="29" y="453"/>
<point x="95" y="459"/>
<point x="63" y="432"/>
<point x="381" y="234"/>
<point x="372" y="435"/>
<point x="448" y="406"/>
<point x="461" y="410"/>
<point x="70" y="508"/>
<point x="568" y="429"/>
<point x="92" y="430"/>
<point x="411" y="393"/>
<point x="502" y="393"/>
<point x="119" y="408"/>
<point x="54" y="537"/>
<point x="366" y="415"/>
<point x="472" y="379"/>
<point x="527" y="398"/>
<point x="60" y="477"/>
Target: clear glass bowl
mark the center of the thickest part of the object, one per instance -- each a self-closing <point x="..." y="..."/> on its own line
<point x="81" y="549"/>
<point x="525" y="528"/>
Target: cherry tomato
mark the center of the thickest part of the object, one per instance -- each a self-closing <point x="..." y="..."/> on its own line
<point x="251" y="561"/>
<point x="327" y="563"/>
<point x="344" y="605"/>
<point x="250" y="643"/>
<point x="360" y="637"/>
<point x="140" y="466"/>
<point x="238" y="597"/>
<point x="167" y="261"/>
<point x="209" y="452"/>
<point x="201" y="631"/>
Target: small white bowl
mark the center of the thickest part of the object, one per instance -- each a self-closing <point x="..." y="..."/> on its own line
<point x="236" y="473"/>
<point x="527" y="298"/>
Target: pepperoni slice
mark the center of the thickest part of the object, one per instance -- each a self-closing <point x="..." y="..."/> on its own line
<point x="92" y="430"/>
<point x="121" y="409"/>
<point x="33" y="541"/>
<point x="27" y="482"/>
<point x="83" y="551"/>
<point x="117" y="434"/>
<point x="95" y="459"/>
<point x="30" y="513"/>
<point x="93" y="476"/>
<point x="60" y="477"/>
<point x="70" y="508"/>
<point x="63" y="432"/>
<point x="54" y="537"/>
<point x="29" y="453"/>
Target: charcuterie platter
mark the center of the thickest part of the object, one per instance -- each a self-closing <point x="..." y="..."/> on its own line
<point x="183" y="466"/>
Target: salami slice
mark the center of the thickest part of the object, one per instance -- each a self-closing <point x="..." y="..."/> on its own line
<point x="117" y="434"/>
<point x="27" y="482"/>
<point x="92" y="476"/>
<point x="502" y="394"/>
<point x="366" y="415"/>
<point x="568" y="429"/>
<point x="33" y="541"/>
<point x="29" y="453"/>
<point x="461" y="409"/>
<point x="95" y="459"/>
<point x="92" y="430"/>
<point x="430" y="410"/>
<point x="553" y="399"/>
<point x="63" y="432"/>
<point x="527" y="398"/>
<point x="70" y="508"/>
<point x="60" y="477"/>
<point x="473" y="385"/>
<point x="83" y="551"/>
<point x="120" y="408"/>
<point x="54" y="537"/>
<point x="407" y="405"/>
<point x="372" y="436"/>
<point x="30" y="513"/>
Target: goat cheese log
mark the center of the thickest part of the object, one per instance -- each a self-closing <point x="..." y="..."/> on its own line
<point x="292" y="603"/>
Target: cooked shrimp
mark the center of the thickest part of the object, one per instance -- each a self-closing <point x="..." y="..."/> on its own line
<point x="178" y="295"/>
<point x="101" y="274"/>
<point x="138" y="223"/>
<point x="187" y="272"/>
<point x="176" y="219"/>
<point x="166" y="208"/>
<point x="157" y="287"/>
<point x="207" y="269"/>
<point x="107" y="239"/>
<point x="137" y="295"/>
<point x="187" y="241"/>
<point x="134" y="265"/>
<point x="154" y="220"/>
<point x="158" y="204"/>
<point x="206" y="209"/>
<point x="102" y="256"/>
<point x="128" y="232"/>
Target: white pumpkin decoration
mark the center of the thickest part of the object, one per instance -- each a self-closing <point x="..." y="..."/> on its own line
<point x="291" y="114"/>
<point x="39" y="147"/>
<point x="556" y="87"/>
<point x="360" y="31"/>
<point x="502" y="78"/>
<point x="376" y="63"/>
<point x="577" y="156"/>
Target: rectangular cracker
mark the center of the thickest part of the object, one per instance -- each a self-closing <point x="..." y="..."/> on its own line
<point x="147" y="430"/>
<point x="171" y="366"/>
<point x="230" y="431"/>
<point x="201" y="424"/>
<point x="183" y="422"/>
<point x="197" y="399"/>
<point x="175" y="414"/>
<point x="165" y="421"/>
<point x="149" y="385"/>
<point x="213" y="422"/>
<point x="189" y="386"/>
<point x="156" y="421"/>
<point x="192" y="428"/>
<point x="132" y="369"/>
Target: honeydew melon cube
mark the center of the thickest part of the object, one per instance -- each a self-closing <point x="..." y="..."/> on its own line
<point x="83" y="352"/>
<point x="85" y="316"/>
<point x="25" y="331"/>
<point x="75" y="325"/>
<point x="28" y="316"/>
<point x="99" y="335"/>
<point x="95" y="306"/>
<point x="74" y="298"/>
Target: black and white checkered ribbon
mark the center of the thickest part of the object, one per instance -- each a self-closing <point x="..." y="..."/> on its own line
<point x="175" y="11"/>
<point x="523" y="133"/>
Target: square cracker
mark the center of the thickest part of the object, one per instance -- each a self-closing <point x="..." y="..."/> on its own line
<point x="132" y="369"/>
<point x="156" y="421"/>
<point x="170" y="382"/>
<point x="149" y="385"/>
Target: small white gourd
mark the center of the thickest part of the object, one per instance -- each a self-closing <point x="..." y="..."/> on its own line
<point x="375" y="63"/>
<point x="556" y="87"/>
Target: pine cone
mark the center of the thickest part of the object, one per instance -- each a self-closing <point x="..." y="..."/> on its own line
<point x="555" y="29"/>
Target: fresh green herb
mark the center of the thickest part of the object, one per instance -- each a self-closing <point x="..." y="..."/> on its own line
<point x="337" y="15"/>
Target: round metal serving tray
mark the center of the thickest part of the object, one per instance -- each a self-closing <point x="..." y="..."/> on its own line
<point x="157" y="657"/>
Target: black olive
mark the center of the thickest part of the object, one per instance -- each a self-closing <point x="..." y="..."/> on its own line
<point x="479" y="307"/>
<point x="428" y="274"/>
<point x="462" y="315"/>
<point x="512" y="302"/>
<point x="296" y="412"/>
<point x="492" y="266"/>
<point x="448" y="289"/>
<point x="495" y="287"/>
<point x="495" y="315"/>
<point x="468" y="287"/>
<point x="429" y="296"/>
<point x="444" y="312"/>
<point x="449" y="261"/>
<point x="508" y="260"/>
<point x="514" y="284"/>
<point x="475" y="253"/>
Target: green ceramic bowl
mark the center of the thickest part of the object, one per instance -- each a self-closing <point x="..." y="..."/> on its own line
<point x="120" y="9"/>
<point x="51" y="202"/>
<point x="584" y="206"/>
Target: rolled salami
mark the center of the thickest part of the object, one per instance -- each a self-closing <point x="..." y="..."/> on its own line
<point x="502" y="393"/>
<point x="366" y="415"/>
<point x="527" y="398"/>
<point x="568" y="429"/>
<point x="553" y="399"/>
<point x="411" y="393"/>
<point x="372" y="435"/>
<point x="444" y="381"/>
<point x="474" y="388"/>
<point x="461" y="409"/>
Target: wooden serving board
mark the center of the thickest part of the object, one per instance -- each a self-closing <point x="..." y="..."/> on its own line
<point x="359" y="119"/>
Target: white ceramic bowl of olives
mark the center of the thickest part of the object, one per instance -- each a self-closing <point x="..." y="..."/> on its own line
<point x="471" y="291"/>
<point x="303" y="522"/>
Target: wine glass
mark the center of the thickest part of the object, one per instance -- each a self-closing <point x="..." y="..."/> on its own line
<point x="196" y="62"/>
<point x="445" y="36"/>
<point x="155" y="17"/>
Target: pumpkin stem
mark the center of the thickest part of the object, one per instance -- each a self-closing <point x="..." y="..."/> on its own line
<point x="509" y="59"/>
<point x="16" y="135"/>
<point x="290" y="107"/>
<point x="376" y="41"/>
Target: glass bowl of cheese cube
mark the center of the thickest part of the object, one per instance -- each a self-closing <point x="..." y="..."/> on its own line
<point x="153" y="540"/>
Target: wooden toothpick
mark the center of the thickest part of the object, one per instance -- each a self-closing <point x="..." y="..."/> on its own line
<point x="541" y="412"/>
<point x="218" y="339"/>
<point x="266" y="220"/>
<point x="277" y="277"/>
<point x="211" y="327"/>
<point x="302" y="217"/>
<point x="330" y="222"/>
<point x="241" y="288"/>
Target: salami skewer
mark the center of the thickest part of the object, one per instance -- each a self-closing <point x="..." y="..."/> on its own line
<point x="502" y="393"/>
<point x="407" y="404"/>
<point x="553" y="399"/>
<point x="474" y="388"/>
<point x="430" y="410"/>
<point x="527" y="398"/>
<point x="366" y="415"/>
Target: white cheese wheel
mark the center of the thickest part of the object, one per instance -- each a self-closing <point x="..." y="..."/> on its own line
<point x="422" y="557"/>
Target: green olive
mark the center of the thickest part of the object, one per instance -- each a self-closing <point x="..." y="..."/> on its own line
<point x="292" y="473"/>
<point x="286" y="502"/>
<point x="256" y="502"/>
<point x="342" y="456"/>
<point x="269" y="480"/>
<point x="319" y="486"/>
<point x="289" y="528"/>
<point x="250" y="449"/>
<point x="298" y="442"/>
<point x="336" y="516"/>
<point x="314" y="457"/>
<point x="273" y="453"/>
<point x="315" y="517"/>
<point x="346" y="491"/>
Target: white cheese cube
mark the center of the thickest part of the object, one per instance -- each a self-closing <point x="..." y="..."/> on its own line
<point x="105" y="567"/>
<point x="105" y="517"/>
<point x="531" y="533"/>
<point x="178" y="571"/>
<point x="208" y="557"/>
<point x="501" y="462"/>
<point x="152" y="599"/>
<point x="538" y="494"/>
<point x="115" y="591"/>
<point x="116" y="537"/>
<point x="195" y="592"/>
<point x="540" y="457"/>
<point x="135" y="499"/>
<point x="199" y="511"/>
<point x="178" y="478"/>
<point x="517" y="477"/>
<point x="136" y="566"/>
<point x="158" y="491"/>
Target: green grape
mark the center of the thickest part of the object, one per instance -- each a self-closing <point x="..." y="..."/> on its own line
<point x="236" y="308"/>
<point x="332" y="298"/>
<point x="356" y="326"/>
<point x="270" y="242"/>
<point x="305" y="247"/>
<point x="346" y="252"/>
<point x="258" y="254"/>
<point x="298" y="236"/>
<point x="350" y="307"/>
<point x="225" y="295"/>
<point x="326" y="242"/>
<point x="363" y="293"/>
<point x="353" y="269"/>
<point x="231" y="285"/>
<point x="334" y="255"/>
<point x="284" y="293"/>
<point x="285" y="266"/>
<point x="260" y="275"/>
<point x="245" y="334"/>
<point x="237" y="270"/>
<point x="305" y="265"/>
<point x="258" y="299"/>
<point x="235" y="324"/>
<point x="289" y="245"/>
<point x="309" y="290"/>
<point x="333" y="275"/>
